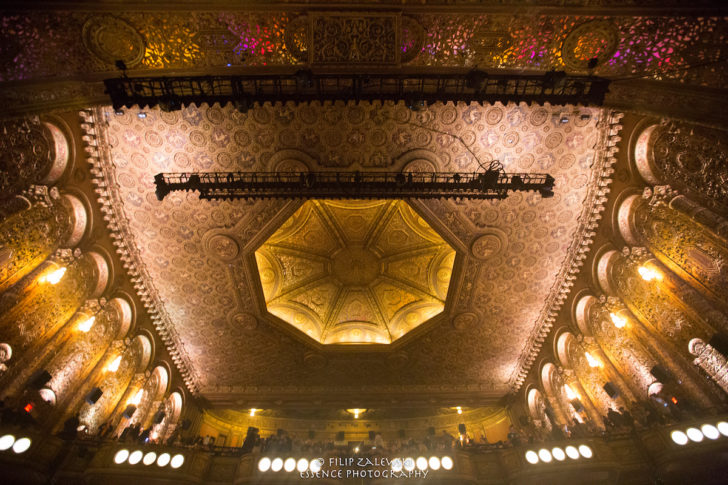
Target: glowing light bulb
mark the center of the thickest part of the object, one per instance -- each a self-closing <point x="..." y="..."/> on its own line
<point x="137" y="398"/>
<point x="114" y="366"/>
<point x="252" y="412"/>
<point x="570" y="392"/>
<point x="356" y="414"/>
<point x="460" y="410"/>
<point x="86" y="325"/>
<point x="618" y="321"/>
<point x="54" y="277"/>
<point x="649" y="274"/>
<point x="592" y="361"/>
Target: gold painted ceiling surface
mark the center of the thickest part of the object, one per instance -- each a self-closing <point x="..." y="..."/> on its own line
<point x="355" y="272"/>
<point x="196" y="259"/>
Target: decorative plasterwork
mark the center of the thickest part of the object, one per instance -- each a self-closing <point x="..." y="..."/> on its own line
<point x="355" y="272"/>
<point x="201" y="293"/>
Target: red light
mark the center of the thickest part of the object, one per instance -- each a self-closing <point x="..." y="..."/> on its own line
<point x="28" y="407"/>
<point x="674" y="400"/>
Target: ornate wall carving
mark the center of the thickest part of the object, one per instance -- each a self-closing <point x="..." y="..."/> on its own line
<point x="42" y="310"/>
<point x="29" y="236"/>
<point x="682" y="244"/>
<point x="712" y="362"/>
<point x="364" y="136"/>
<point x="690" y="158"/>
<point x="28" y="150"/>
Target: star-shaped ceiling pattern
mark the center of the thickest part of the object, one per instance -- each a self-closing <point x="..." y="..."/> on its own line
<point x="355" y="272"/>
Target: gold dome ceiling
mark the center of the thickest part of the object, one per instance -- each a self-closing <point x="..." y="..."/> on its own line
<point x="355" y="272"/>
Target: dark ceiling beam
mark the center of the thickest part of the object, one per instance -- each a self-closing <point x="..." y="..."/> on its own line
<point x="303" y="86"/>
<point x="489" y="184"/>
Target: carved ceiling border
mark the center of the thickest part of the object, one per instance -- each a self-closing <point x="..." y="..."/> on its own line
<point x="596" y="197"/>
<point x="99" y="157"/>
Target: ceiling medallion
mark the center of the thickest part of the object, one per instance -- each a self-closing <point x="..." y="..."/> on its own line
<point x="110" y="38"/>
<point x="221" y="246"/>
<point x="488" y="245"/>
<point x="355" y="271"/>
<point x="464" y="321"/>
<point x="245" y="321"/>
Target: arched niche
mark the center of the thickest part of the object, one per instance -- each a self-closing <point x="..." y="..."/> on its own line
<point x="145" y="356"/>
<point x="642" y="155"/>
<point x="582" y="310"/>
<point x="604" y="271"/>
<point x="161" y="376"/>
<point x="562" y="348"/>
<point x="548" y="371"/>
<point x="126" y="313"/>
<point x="627" y="203"/>
<point x="102" y="274"/>
<point x="79" y="213"/>
<point x="62" y="150"/>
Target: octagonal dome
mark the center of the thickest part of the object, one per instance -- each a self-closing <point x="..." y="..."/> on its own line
<point x="355" y="272"/>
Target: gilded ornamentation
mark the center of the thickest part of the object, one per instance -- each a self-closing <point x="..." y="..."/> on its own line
<point x="29" y="236"/>
<point x="27" y="152"/>
<point x="487" y="246"/>
<point x="464" y="321"/>
<point x="682" y="243"/>
<point x="595" y="39"/>
<point x="355" y="271"/>
<point x="111" y="38"/>
<point x="690" y="158"/>
<point x="711" y="362"/>
<point x="547" y="239"/>
<point x="353" y="39"/>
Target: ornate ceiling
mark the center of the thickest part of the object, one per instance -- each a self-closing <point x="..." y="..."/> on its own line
<point x="194" y="262"/>
<point x="355" y="272"/>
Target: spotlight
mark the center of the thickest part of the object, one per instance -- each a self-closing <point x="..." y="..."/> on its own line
<point x="177" y="461"/>
<point x="119" y="458"/>
<point x="723" y="428"/>
<point x="264" y="464"/>
<point x="276" y="465"/>
<point x="531" y="457"/>
<point x="397" y="465"/>
<point x="558" y="453"/>
<point x="710" y="431"/>
<point x="695" y="435"/>
<point x="409" y="464"/>
<point x="149" y="458"/>
<point x="585" y="451"/>
<point x="302" y="465"/>
<point x="22" y="445"/>
<point x="447" y="463"/>
<point x="434" y="463"/>
<point x="141" y="115"/>
<point x="679" y="437"/>
<point x="544" y="455"/>
<point x="7" y="441"/>
<point x="289" y="465"/>
<point x="422" y="463"/>
<point x="572" y="452"/>
<point x="315" y="465"/>
<point x="135" y="457"/>
<point x="163" y="460"/>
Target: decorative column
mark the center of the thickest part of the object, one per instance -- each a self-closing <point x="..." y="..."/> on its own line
<point x="710" y="361"/>
<point x="27" y="237"/>
<point x="571" y="379"/>
<point x="680" y="240"/>
<point x="672" y="313"/>
<point x="553" y="388"/>
<point x="119" y="380"/>
<point x="22" y="369"/>
<point x="47" y="303"/>
<point x="630" y="358"/>
<point x="91" y="338"/>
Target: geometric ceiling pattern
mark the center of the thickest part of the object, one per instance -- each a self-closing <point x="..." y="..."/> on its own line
<point x="195" y="261"/>
<point x="354" y="271"/>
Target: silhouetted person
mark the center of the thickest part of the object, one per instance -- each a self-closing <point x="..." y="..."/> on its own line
<point x="70" y="427"/>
